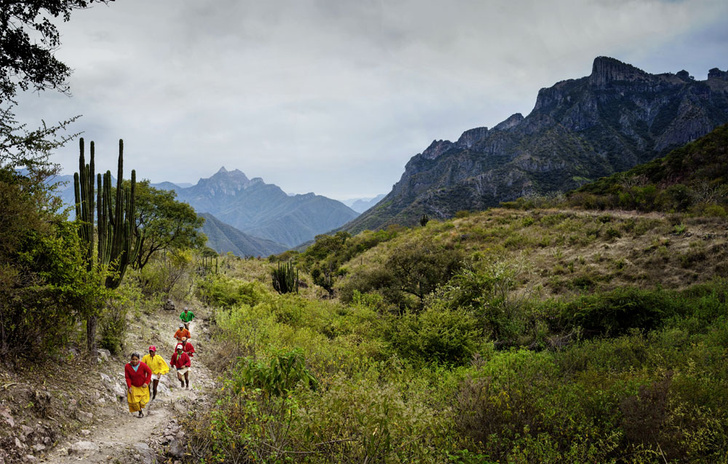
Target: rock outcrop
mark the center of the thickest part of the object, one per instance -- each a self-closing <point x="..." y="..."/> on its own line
<point x="579" y="130"/>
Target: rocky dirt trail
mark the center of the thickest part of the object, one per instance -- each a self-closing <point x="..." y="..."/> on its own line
<point x="114" y="435"/>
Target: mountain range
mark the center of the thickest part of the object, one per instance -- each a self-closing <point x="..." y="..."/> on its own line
<point x="264" y="210"/>
<point x="579" y="130"/>
<point x="362" y="204"/>
<point x="247" y="216"/>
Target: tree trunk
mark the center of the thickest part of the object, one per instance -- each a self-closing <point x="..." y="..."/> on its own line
<point x="91" y="337"/>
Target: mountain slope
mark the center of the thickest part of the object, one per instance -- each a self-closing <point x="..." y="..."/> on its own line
<point x="702" y="161"/>
<point x="579" y="130"/>
<point x="224" y="238"/>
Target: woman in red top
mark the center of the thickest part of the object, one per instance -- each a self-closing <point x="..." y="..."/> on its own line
<point x="138" y="375"/>
<point x="188" y="348"/>
<point x="182" y="363"/>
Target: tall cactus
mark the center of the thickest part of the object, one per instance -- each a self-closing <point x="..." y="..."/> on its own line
<point x="83" y="188"/>
<point x="285" y="278"/>
<point x="117" y="239"/>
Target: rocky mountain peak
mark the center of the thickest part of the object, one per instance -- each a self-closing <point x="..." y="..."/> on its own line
<point x="580" y="129"/>
<point x="225" y="182"/>
<point x="471" y="137"/>
<point x="605" y="70"/>
<point x="716" y="73"/>
<point x="509" y="123"/>
<point x="437" y="148"/>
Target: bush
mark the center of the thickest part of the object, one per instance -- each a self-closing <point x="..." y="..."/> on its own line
<point x="222" y="291"/>
<point x="436" y="334"/>
<point x="620" y="310"/>
<point x="112" y="326"/>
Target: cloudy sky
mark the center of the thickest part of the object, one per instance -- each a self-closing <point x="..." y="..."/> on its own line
<point x="335" y="96"/>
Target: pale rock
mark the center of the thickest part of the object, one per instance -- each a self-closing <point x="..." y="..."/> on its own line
<point x="6" y="416"/>
<point x="83" y="447"/>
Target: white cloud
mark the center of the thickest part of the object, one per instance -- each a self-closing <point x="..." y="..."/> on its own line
<point x="335" y="97"/>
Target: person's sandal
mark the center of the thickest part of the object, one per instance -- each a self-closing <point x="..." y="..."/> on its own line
<point x="141" y="414"/>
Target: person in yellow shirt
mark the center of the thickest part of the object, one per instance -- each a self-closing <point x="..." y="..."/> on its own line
<point x="158" y="366"/>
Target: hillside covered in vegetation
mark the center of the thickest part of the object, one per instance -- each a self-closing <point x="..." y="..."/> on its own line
<point x="521" y="334"/>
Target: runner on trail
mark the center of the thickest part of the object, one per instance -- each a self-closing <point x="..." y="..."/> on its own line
<point x="181" y="361"/>
<point x="187" y="347"/>
<point x="182" y="332"/>
<point x="186" y="317"/>
<point x="158" y="366"/>
<point x="138" y="375"/>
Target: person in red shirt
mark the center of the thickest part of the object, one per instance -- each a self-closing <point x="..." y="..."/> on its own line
<point x="138" y="375"/>
<point x="187" y="347"/>
<point x="182" y="362"/>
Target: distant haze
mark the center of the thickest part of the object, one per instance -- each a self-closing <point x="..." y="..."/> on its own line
<point x="335" y="97"/>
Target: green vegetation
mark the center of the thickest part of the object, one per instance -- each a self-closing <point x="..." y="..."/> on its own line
<point x="111" y="242"/>
<point x="479" y="374"/>
<point x="285" y="278"/>
<point x="166" y="224"/>
<point x="524" y="335"/>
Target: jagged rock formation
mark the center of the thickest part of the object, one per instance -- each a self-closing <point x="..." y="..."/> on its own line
<point x="264" y="210"/>
<point x="579" y="130"/>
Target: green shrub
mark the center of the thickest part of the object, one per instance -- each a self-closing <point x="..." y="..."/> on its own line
<point x="113" y="328"/>
<point x="226" y="292"/>
<point x="436" y="334"/>
<point x="364" y="419"/>
<point x="616" y="312"/>
<point x="276" y="378"/>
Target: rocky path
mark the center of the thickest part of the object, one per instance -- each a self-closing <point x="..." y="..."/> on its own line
<point x="114" y="435"/>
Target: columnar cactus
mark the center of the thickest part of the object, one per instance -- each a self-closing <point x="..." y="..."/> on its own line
<point x="83" y="189"/>
<point x="117" y="236"/>
<point x="285" y="278"/>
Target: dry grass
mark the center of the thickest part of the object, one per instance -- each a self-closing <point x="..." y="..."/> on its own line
<point x="570" y="251"/>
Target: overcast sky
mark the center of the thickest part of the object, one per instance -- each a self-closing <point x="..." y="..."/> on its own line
<point x="335" y="96"/>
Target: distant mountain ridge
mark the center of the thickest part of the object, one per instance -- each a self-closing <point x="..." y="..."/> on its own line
<point x="579" y="130"/>
<point x="247" y="216"/>
<point x="225" y="238"/>
<point x="264" y="210"/>
<point x="362" y="204"/>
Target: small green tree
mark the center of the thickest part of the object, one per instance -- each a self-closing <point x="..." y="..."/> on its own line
<point x="167" y="224"/>
<point x="418" y="268"/>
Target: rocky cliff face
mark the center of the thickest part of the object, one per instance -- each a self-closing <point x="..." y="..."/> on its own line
<point x="579" y="130"/>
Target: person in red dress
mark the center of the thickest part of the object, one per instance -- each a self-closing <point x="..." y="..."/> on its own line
<point x="138" y="375"/>
<point x="182" y="362"/>
<point x="188" y="348"/>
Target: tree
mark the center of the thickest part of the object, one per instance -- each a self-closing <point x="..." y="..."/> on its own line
<point x="165" y="223"/>
<point x="418" y="268"/>
<point x="44" y="284"/>
<point x="28" y="63"/>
